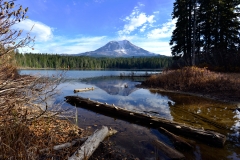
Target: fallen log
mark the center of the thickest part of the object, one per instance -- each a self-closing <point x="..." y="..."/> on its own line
<point x="168" y="151"/>
<point x="207" y="136"/>
<point x="91" y="144"/>
<point x="178" y="141"/>
<point x="83" y="90"/>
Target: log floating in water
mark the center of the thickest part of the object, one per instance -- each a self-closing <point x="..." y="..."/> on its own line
<point x="168" y="151"/>
<point x="91" y="144"/>
<point x="83" y="90"/>
<point x="209" y="137"/>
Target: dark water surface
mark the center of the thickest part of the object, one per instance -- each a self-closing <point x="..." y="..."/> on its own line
<point x="136" y="139"/>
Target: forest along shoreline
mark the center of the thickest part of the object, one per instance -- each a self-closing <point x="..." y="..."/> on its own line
<point x="201" y="82"/>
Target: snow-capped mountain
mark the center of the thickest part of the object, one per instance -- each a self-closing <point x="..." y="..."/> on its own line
<point x="118" y="49"/>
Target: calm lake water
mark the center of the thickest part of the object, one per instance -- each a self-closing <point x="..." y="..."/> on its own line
<point x="136" y="139"/>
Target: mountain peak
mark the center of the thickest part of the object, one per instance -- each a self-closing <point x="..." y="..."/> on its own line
<point x="123" y="48"/>
<point x="121" y="43"/>
<point x="123" y="40"/>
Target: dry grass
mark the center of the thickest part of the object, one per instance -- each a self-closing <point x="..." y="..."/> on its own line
<point x="194" y="79"/>
<point x="24" y="140"/>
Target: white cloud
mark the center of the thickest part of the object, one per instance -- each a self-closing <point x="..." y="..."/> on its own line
<point x="73" y="45"/>
<point x="149" y="37"/>
<point x="47" y="42"/>
<point x="41" y="31"/>
<point x="164" y="32"/>
<point x="154" y="46"/>
<point x="143" y="28"/>
<point x="136" y="20"/>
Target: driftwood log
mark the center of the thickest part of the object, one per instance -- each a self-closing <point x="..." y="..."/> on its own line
<point x="207" y="136"/>
<point x="91" y="144"/>
<point x="168" y="151"/>
<point x="83" y="90"/>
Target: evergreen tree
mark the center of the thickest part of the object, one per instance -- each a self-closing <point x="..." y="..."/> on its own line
<point x="208" y="29"/>
<point x="182" y="35"/>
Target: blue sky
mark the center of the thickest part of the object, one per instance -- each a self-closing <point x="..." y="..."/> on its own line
<point x="76" y="26"/>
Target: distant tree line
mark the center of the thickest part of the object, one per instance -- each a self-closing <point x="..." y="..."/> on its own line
<point x="30" y="60"/>
<point x="207" y="31"/>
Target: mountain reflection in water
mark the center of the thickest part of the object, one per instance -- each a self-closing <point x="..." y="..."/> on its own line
<point x="113" y="85"/>
<point x="123" y="92"/>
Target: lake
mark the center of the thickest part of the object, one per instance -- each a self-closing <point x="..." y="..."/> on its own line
<point x="111" y="88"/>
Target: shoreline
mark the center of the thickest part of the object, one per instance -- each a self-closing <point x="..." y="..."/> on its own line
<point x="213" y="96"/>
<point x="87" y="69"/>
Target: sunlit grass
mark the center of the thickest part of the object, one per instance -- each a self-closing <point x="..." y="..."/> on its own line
<point x="195" y="79"/>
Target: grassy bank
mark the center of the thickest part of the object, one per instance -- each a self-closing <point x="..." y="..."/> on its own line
<point x="225" y="86"/>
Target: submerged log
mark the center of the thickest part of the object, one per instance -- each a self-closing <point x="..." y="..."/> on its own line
<point x="168" y="151"/>
<point x="91" y="144"/>
<point x="207" y="136"/>
<point x="178" y="141"/>
<point x="83" y="90"/>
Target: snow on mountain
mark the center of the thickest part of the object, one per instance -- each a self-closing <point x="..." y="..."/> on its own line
<point x="118" y="49"/>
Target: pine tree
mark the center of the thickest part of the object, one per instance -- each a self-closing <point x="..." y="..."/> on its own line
<point x="208" y="29"/>
<point x="181" y="39"/>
